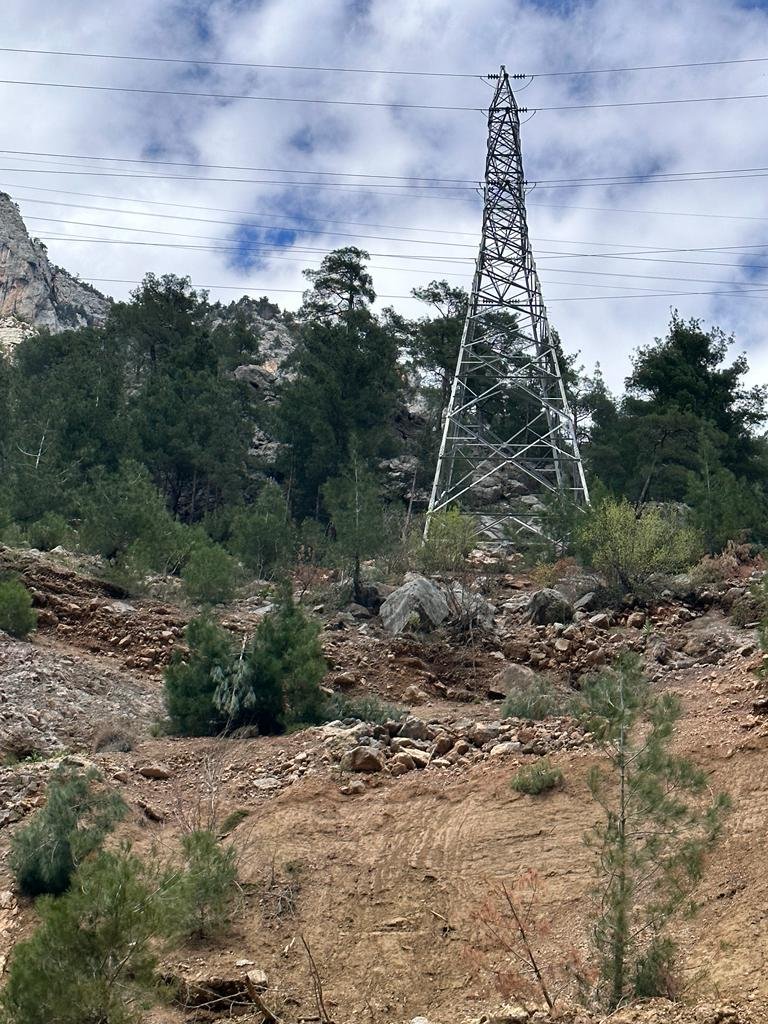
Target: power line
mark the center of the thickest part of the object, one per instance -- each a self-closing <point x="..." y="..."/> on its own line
<point x="543" y="254"/>
<point x="242" y="96"/>
<point x="396" y="105"/>
<point x="349" y="187"/>
<point x="241" y="167"/>
<point x="376" y="71"/>
<point x="303" y="229"/>
<point x="269" y="249"/>
<point x="209" y="209"/>
<point x="645" y="103"/>
<point x="398" y="227"/>
<point x="245" y="247"/>
<point x="651" y="180"/>
<point x="747" y="294"/>
<point x="576" y="298"/>
<point x="238" y="64"/>
<point x="243" y="181"/>
<point x="267" y="227"/>
<point x="649" y="213"/>
<point x="614" y="179"/>
<point x="473" y="183"/>
<point x="644" y="67"/>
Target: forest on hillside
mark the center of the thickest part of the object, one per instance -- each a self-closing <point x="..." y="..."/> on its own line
<point x="135" y="441"/>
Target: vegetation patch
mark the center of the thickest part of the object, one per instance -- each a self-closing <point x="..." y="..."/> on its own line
<point x="539" y="777"/>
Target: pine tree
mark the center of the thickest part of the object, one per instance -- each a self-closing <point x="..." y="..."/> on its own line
<point x="354" y="504"/>
<point x="276" y="681"/>
<point x="189" y="422"/>
<point x="203" y="893"/>
<point x="67" y="402"/>
<point x="345" y="383"/>
<point x="340" y="285"/>
<point x="191" y="680"/>
<point x="94" y="951"/>
<point x="263" y="535"/>
<point x="77" y="815"/>
<point x="658" y="822"/>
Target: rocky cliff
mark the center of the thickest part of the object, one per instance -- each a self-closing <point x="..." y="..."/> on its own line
<point x="34" y="292"/>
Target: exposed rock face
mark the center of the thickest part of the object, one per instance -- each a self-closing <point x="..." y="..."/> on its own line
<point x="419" y="598"/>
<point x="35" y="293"/>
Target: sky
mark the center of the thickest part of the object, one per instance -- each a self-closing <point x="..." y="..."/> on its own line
<point x="314" y="176"/>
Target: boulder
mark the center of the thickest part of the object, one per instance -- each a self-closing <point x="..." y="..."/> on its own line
<point x="512" y="1013"/>
<point x="420" y="758"/>
<point x="416" y="729"/>
<point x="578" y="585"/>
<point x="362" y="759"/>
<point x="636" y="620"/>
<point x="586" y="603"/>
<point x="469" y="607"/>
<point x="155" y="771"/>
<point x="418" y="599"/>
<point x="547" y="606"/>
<point x="509" y="678"/>
<point x="507" y="747"/>
<point x="359" y="611"/>
<point x="481" y="733"/>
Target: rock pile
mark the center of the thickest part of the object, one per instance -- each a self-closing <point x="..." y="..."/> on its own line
<point x="395" y="748"/>
<point x="653" y="1011"/>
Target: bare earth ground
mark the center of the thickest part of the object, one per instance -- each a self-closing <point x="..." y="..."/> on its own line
<point x="386" y="885"/>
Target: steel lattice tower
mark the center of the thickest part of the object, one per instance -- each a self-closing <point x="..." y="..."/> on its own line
<point x="509" y="438"/>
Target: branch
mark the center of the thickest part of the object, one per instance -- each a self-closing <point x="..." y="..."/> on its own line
<point x="316" y="983"/>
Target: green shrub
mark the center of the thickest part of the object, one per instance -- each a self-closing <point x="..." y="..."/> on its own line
<point x="209" y="575"/>
<point x="655" y="970"/>
<point x="49" y="531"/>
<point x="263" y="535"/>
<point x="367" y="709"/>
<point x="534" y="702"/>
<point x="119" y="510"/>
<point x="73" y="822"/>
<point x="276" y="683"/>
<point x="537" y="778"/>
<point x="92" y="955"/>
<point x="273" y="684"/>
<point x="752" y="606"/>
<point x="629" y="548"/>
<point x="191" y="679"/>
<point x="17" y="616"/>
<point x="205" y="891"/>
<point x="451" y="537"/>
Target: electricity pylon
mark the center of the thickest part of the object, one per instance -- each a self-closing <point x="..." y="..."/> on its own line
<point x="509" y="451"/>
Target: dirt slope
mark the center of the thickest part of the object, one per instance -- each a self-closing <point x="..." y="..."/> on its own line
<point x="386" y="885"/>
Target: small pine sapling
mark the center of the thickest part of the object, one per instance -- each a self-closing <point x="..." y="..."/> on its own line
<point x="658" y="821"/>
<point x="206" y="886"/>
<point x="76" y="817"/>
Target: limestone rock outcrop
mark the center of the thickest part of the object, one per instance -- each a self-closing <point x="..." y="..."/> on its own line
<point x="35" y="293"/>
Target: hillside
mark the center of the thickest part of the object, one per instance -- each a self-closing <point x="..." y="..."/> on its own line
<point x="384" y="873"/>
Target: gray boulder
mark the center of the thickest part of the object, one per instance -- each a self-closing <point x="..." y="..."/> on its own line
<point x="419" y="598"/>
<point x="548" y="606"/>
<point x="587" y="603"/>
<point x="469" y="607"/>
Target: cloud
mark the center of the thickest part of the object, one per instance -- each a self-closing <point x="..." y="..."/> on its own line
<point x="591" y="241"/>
